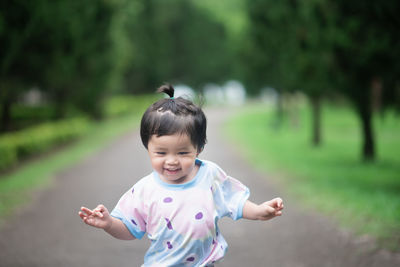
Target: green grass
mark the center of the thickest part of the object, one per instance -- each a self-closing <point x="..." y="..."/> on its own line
<point x="16" y="187"/>
<point x="364" y="197"/>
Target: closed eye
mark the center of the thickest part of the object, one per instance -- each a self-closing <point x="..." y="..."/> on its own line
<point x="183" y="153"/>
<point x="160" y="153"/>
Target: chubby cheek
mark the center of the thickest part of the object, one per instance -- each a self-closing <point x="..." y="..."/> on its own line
<point x="187" y="164"/>
<point x="157" y="164"/>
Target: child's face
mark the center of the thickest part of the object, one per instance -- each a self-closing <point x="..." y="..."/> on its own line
<point x="173" y="157"/>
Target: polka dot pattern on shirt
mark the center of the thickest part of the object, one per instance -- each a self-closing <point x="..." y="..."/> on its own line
<point x="199" y="216"/>
<point x="167" y="200"/>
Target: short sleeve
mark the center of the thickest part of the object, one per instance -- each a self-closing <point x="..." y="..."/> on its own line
<point x="130" y="210"/>
<point x="232" y="195"/>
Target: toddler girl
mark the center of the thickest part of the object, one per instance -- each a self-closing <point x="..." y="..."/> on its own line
<point x="179" y="204"/>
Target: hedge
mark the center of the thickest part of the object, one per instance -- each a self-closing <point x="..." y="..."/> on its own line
<point x="16" y="146"/>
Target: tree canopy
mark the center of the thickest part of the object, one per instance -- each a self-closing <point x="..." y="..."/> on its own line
<point x="324" y="46"/>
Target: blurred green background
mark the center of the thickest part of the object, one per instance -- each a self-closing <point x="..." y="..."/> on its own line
<point x="322" y="76"/>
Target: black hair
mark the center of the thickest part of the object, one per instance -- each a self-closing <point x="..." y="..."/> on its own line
<point x="174" y="115"/>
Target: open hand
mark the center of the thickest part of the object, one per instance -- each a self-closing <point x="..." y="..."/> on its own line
<point x="99" y="217"/>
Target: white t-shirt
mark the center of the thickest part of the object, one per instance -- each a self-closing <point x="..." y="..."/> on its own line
<point x="181" y="219"/>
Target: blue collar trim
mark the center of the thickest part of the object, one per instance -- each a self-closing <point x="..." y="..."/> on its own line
<point x="183" y="186"/>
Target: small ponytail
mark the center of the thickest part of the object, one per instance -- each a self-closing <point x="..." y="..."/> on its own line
<point x="167" y="89"/>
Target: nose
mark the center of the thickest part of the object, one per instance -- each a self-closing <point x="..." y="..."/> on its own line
<point x="171" y="160"/>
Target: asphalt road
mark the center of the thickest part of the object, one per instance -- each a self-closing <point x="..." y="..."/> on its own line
<point x="49" y="232"/>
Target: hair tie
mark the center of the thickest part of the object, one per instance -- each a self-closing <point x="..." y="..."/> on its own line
<point x="172" y="98"/>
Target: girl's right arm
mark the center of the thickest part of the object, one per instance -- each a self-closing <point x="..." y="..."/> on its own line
<point x="100" y="218"/>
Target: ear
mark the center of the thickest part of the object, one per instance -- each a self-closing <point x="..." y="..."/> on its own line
<point x="198" y="152"/>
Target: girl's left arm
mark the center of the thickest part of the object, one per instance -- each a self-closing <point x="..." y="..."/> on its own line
<point x="264" y="211"/>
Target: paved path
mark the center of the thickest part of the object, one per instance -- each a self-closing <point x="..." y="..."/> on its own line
<point x="48" y="232"/>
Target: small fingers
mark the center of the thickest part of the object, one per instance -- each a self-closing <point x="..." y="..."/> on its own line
<point x="99" y="210"/>
<point x="87" y="211"/>
<point x="279" y="203"/>
<point x="82" y="215"/>
<point x="100" y="207"/>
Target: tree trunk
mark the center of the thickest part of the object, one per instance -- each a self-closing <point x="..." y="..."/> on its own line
<point x="277" y="120"/>
<point x="316" y="120"/>
<point x="279" y="110"/>
<point x="368" y="150"/>
<point x="5" y="115"/>
<point x="60" y="100"/>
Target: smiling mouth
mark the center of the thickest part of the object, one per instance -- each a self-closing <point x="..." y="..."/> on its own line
<point x="172" y="170"/>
